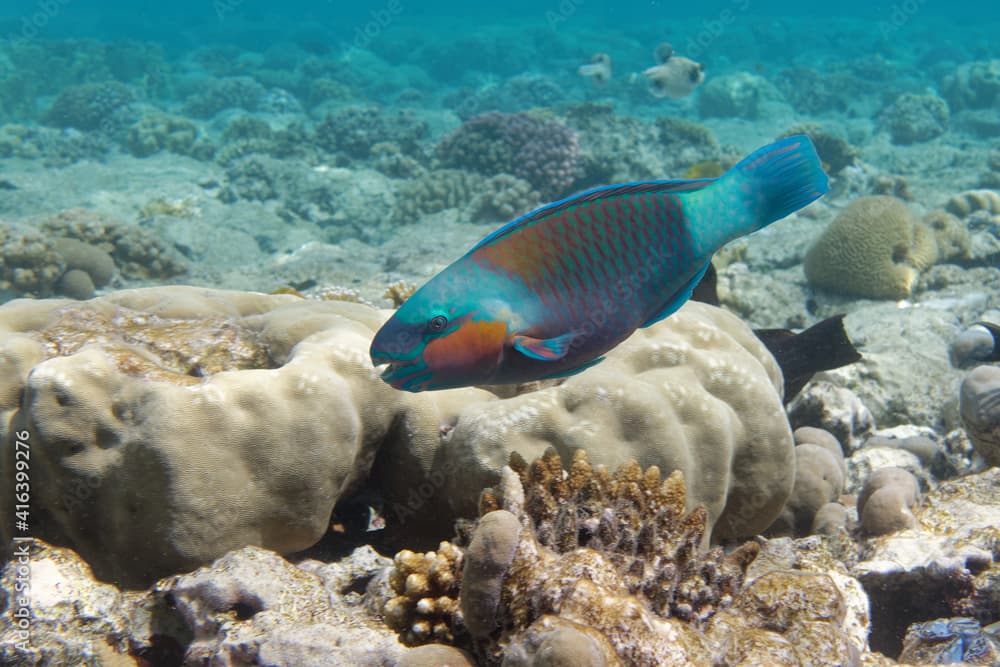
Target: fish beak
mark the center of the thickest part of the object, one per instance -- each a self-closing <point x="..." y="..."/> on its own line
<point x="399" y="373"/>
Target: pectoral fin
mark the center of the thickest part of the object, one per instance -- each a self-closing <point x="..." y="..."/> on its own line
<point x="548" y="349"/>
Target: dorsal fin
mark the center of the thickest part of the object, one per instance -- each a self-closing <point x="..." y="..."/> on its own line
<point x="641" y="187"/>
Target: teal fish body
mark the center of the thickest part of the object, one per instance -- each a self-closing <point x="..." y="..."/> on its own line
<point x="547" y="294"/>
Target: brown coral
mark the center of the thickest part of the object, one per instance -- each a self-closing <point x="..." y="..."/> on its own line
<point x="168" y="349"/>
<point x="137" y="252"/>
<point x="616" y="553"/>
<point x="637" y="520"/>
<point x="426" y="602"/>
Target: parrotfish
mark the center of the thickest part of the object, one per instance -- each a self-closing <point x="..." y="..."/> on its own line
<point x="547" y="294"/>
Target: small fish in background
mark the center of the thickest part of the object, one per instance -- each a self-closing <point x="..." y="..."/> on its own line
<point x="598" y="69"/>
<point x="547" y="294"/>
<point x="673" y="76"/>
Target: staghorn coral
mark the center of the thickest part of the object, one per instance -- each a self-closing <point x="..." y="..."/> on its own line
<point x="88" y="106"/>
<point x="137" y="252"/>
<point x="542" y="152"/>
<point x="874" y="248"/>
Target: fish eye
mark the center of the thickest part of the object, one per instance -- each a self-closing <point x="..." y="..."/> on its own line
<point x="437" y="323"/>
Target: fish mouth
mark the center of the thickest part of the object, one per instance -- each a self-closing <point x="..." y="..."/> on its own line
<point x="402" y="374"/>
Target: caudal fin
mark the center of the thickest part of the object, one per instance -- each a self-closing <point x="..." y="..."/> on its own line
<point x="779" y="179"/>
<point x="822" y="347"/>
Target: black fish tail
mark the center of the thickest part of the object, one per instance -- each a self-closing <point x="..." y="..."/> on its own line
<point x="822" y="347"/>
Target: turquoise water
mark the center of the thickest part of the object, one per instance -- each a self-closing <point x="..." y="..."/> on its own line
<point x="351" y="151"/>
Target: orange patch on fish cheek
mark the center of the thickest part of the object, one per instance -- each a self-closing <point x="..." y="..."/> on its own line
<point x="472" y="344"/>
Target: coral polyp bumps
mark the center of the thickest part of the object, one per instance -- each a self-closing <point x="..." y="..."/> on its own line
<point x="619" y="549"/>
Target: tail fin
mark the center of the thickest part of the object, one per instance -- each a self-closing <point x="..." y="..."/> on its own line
<point x="822" y="347"/>
<point x="779" y="179"/>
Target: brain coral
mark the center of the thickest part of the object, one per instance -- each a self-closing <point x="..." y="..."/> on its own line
<point x="544" y="153"/>
<point x="875" y="248"/>
<point x="696" y="393"/>
<point x="170" y="425"/>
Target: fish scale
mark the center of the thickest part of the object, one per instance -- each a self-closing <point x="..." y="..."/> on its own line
<point x="550" y="292"/>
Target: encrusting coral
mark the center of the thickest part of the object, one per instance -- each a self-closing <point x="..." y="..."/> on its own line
<point x="875" y="248"/>
<point x="170" y="425"/>
<point x="129" y="393"/>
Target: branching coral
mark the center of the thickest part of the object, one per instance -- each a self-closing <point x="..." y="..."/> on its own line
<point x="586" y="545"/>
<point x="637" y="520"/>
<point x="426" y="586"/>
<point x="88" y="106"/>
<point x="543" y="152"/>
<point x="137" y="252"/>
